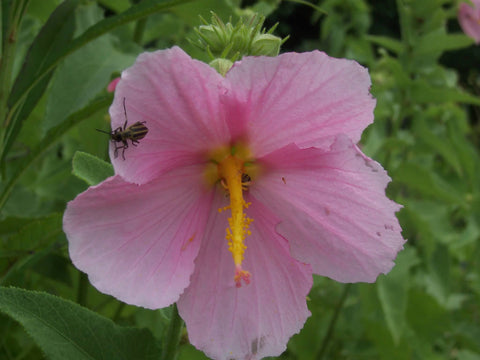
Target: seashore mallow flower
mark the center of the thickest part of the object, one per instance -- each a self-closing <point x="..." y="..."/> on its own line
<point x="244" y="186"/>
<point x="469" y="19"/>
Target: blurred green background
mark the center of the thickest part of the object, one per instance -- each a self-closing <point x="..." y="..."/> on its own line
<point x="426" y="79"/>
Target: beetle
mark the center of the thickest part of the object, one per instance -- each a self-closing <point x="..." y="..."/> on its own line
<point x="134" y="133"/>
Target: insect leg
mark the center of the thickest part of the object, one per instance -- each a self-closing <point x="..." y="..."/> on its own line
<point x="125" y="146"/>
<point x="115" y="152"/>
<point x="125" y="111"/>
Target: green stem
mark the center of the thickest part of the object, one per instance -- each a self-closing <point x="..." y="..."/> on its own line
<point x="139" y="30"/>
<point x="8" y="57"/>
<point x="118" y="312"/>
<point x="82" y="289"/>
<point x="174" y="333"/>
<point x="333" y="322"/>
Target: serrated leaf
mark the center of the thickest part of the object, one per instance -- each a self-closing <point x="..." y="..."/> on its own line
<point x="90" y="168"/>
<point x="65" y="330"/>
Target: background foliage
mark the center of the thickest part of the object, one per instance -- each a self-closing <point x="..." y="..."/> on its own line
<point x="426" y="78"/>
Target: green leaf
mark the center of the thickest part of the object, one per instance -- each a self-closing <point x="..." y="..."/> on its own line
<point x="468" y="355"/>
<point x="65" y="330"/>
<point x="426" y="317"/>
<point x="421" y="180"/>
<point x="54" y="37"/>
<point x="42" y="9"/>
<point x="439" y="145"/>
<point x="422" y="93"/>
<point x="465" y="151"/>
<point x="50" y="138"/>
<point x="55" y="267"/>
<point x="10" y="225"/>
<point x="31" y="244"/>
<point x="72" y="89"/>
<point x="190" y="13"/>
<point x="36" y="234"/>
<point x="115" y="5"/>
<point x="438" y="282"/>
<point x="438" y="42"/>
<point x="392" y="293"/>
<point x="388" y="43"/>
<point x="90" y="168"/>
<point x="29" y="84"/>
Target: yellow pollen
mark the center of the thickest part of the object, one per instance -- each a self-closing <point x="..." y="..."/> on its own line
<point x="230" y="169"/>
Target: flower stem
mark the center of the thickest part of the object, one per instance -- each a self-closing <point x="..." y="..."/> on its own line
<point x="82" y="289"/>
<point x="172" y="338"/>
<point x="15" y="11"/>
<point x="139" y="30"/>
<point x="333" y="322"/>
<point x="139" y="27"/>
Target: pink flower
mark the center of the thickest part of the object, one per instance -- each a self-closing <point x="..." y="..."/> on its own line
<point x="113" y="84"/>
<point x="469" y="19"/>
<point x="243" y="187"/>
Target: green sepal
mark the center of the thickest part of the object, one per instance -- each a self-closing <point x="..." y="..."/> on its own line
<point x="90" y="168"/>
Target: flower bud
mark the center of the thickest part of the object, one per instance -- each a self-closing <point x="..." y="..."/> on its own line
<point x="212" y="37"/>
<point x="226" y="41"/>
<point x="221" y="65"/>
<point x="266" y="44"/>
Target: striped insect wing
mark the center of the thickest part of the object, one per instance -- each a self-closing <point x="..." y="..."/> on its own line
<point x="137" y="131"/>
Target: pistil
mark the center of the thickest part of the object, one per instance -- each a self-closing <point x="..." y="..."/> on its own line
<point x="231" y="171"/>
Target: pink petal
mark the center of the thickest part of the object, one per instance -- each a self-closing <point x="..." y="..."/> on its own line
<point x="177" y="97"/>
<point x="255" y="320"/>
<point x="469" y="19"/>
<point x="305" y="99"/>
<point x="138" y="243"/>
<point x="113" y="85"/>
<point x="334" y="211"/>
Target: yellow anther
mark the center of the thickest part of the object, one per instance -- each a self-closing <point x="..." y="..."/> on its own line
<point x="230" y="169"/>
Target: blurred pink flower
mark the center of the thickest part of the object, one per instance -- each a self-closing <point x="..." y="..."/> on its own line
<point x="243" y="187"/>
<point x="469" y="19"/>
<point x="113" y="84"/>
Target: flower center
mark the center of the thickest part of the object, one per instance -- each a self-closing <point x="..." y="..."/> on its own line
<point x="229" y="168"/>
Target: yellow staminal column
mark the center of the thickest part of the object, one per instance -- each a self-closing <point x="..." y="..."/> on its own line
<point x="230" y="170"/>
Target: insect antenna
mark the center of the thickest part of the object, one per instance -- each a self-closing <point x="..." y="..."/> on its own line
<point x="105" y="132"/>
